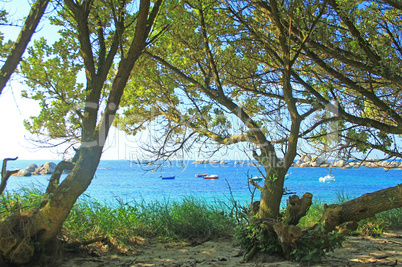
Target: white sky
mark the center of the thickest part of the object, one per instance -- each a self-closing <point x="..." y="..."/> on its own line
<point x="14" y="109"/>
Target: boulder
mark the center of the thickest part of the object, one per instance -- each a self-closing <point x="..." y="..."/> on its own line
<point x="305" y="158"/>
<point x="23" y="173"/>
<point x="305" y="164"/>
<point x="339" y="163"/>
<point x="50" y="166"/>
<point x="314" y="164"/>
<point x="199" y="161"/>
<point x="321" y="161"/>
<point x="47" y="168"/>
<point x="31" y="168"/>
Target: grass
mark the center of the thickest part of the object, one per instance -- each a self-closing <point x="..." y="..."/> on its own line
<point x="128" y="223"/>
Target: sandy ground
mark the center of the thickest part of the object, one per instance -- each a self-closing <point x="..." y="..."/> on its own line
<point x="385" y="250"/>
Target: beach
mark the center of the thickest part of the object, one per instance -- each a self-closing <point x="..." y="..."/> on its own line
<point x="385" y="250"/>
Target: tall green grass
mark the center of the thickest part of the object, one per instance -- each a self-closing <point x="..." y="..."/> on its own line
<point x="128" y="222"/>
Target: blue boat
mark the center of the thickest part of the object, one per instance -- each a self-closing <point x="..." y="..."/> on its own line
<point x="168" y="177"/>
<point x="256" y="179"/>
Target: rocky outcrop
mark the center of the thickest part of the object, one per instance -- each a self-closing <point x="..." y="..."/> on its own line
<point x="212" y="161"/>
<point x="241" y="163"/>
<point x="47" y="168"/>
<point x="308" y="161"/>
<point x="33" y="169"/>
<point x="22" y="173"/>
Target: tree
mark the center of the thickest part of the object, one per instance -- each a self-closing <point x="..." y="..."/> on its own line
<point x="260" y="63"/>
<point x="18" y="48"/>
<point x="353" y="61"/>
<point x="106" y="38"/>
<point x="201" y="83"/>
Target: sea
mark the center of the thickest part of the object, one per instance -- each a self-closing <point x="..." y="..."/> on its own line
<point x="122" y="180"/>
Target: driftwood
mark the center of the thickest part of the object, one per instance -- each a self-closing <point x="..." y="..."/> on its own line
<point x="342" y="218"/>
<point x="362" y="207"/>
<point x="6" y="174"/>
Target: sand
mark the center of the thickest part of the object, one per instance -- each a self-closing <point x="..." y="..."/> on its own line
<point x="385" y="250"/>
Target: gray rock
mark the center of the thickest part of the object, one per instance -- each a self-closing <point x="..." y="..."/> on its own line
<point x="305" y="158"/>
<point x="23" y="173"/>
<point x="314" y="164"/>
<point x="339" y="163"/>
<point x="31" y="168"/>
<point x="47" y="168"/>
<point x="50" y="166"/>
<point x="305" y="164"/>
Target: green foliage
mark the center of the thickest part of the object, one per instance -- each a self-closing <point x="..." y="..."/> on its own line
<point x="51" y="72"/>
<point x="250" y="235"/>
<point x="313" y="214"/>
<point x="19" y="201"/>
<point x="386" y="220"/>
<point x="315" y="243"/>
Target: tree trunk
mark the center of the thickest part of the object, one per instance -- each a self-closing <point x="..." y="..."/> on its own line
<point x="20" y="231"/>
<point x="342" y="218"/>
<point x="6" y="174"/>
<point x="272" y="192"/>
<point x="297" y="208"/>
<point x="362" y="207"/>
<point x="49" y="219"/>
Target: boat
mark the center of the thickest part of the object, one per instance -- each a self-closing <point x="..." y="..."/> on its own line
<point x="168" y="177"/>
<point x="327" y="178"/>
<point x="201" y="175"/>
<point x="256" y="178"/>
<point x="211" y="177"/>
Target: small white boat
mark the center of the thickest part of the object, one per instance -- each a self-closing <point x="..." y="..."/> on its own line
<point x="256" y="178"/>
<point x="327" y="178"/>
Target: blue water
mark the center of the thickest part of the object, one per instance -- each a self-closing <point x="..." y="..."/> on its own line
<point x="127" y="181"/>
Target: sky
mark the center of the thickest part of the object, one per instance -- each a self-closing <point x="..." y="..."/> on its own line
<point x="14" y="138"/>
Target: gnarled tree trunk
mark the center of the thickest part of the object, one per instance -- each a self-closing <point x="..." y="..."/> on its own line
<point x="22" y="232"/>
<point x="362" y="207"/>
<point x="343" y="217"/>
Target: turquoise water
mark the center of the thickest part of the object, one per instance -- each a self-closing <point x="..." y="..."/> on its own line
<point x="127" y="181"/>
